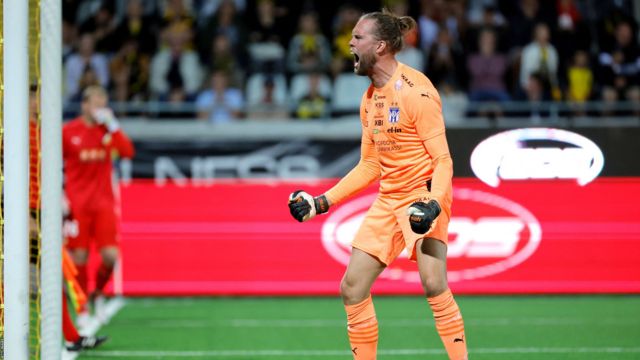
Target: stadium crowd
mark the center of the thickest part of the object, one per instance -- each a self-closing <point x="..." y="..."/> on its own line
<point x="230" y="59"/>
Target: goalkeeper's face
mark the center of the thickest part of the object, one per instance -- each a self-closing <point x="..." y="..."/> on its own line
<point x="364" y="46"/>
<point x="92" y="103"/>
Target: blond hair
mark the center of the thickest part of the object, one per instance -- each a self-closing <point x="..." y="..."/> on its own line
<point x="391" y="28"/>
<point x="92" y="91"/>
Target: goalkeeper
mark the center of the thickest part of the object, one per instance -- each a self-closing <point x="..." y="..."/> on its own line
<point x="89" y="144"/>
<point x="404" y="146"/>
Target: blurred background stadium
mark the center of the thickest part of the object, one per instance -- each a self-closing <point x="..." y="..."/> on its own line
<point x="234" y="104"/>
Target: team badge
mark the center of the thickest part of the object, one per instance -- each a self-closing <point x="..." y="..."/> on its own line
<point x="394" y="114"/>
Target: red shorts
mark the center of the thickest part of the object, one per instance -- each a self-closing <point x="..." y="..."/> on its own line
<point x="97" y="226"/>
<point x="386" y="230"/>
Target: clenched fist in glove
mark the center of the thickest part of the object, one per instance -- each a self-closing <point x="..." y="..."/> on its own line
<point x="304" y="207"/>
<point x="422" y="215"/>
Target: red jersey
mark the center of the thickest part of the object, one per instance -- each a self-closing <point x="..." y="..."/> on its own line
<point x="34" y="165"/>
<point x="88" y="151"/>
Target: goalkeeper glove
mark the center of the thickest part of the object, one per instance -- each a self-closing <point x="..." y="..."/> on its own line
<point x="421" y="215"/>
<point x="304" y="207"/>
<point x="104" y="116"/>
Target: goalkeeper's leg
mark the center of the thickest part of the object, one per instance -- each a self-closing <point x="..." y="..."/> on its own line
<point x="362" y="325"/>
<point x="432" y="264"/>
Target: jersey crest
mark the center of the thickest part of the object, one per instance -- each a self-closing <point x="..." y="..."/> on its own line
<point x="394" y="114"/>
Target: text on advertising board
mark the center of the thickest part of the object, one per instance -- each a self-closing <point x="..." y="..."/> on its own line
<point x="536" y="153"/>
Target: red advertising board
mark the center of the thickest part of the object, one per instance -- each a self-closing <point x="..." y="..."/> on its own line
<point x="237" y="237"/>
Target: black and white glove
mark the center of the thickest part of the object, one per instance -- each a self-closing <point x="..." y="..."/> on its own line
<point x="105" y="116"/>
<point x="304" y="207"/>
<point x="422" y="215"/>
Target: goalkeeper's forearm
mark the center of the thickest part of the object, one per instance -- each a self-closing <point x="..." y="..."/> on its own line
<point x="441" y="178"/>
<point x="356" y="180"/>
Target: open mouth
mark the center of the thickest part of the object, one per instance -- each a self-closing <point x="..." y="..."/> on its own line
<point x="356" y="60"/>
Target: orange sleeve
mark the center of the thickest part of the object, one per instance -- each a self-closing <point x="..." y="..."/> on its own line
<point x="442" y="167"/>
<point x="430" y="128"/>
<point x="364" y="173"/>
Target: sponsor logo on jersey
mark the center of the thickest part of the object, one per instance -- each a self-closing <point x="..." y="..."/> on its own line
<point x="488" y="234"/>
<point x="90" y="155"/>
<point x="406" y="79"/>
<point x="378" y="122"/>
<point x="394" y="130"/>
<point x="536" y="153"/>
<point x="394" y="114"/>
<point x="379" y="105"/>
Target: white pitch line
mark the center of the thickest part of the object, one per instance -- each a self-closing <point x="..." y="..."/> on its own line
<point x="111" y="309"/>
<point x="382" y="352"/>
<point x="330" y="323"/>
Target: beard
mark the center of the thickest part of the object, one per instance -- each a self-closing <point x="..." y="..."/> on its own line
<point x="365" y="64"/>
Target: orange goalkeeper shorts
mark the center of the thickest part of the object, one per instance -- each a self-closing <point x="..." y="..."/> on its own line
<point x="386" y="231"/>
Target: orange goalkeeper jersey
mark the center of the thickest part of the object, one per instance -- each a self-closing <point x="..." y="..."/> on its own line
<point x="403" y="140"/>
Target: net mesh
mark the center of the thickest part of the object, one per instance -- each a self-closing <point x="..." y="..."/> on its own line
<point x="34" y="243"/>
<point x="35" y="249"/>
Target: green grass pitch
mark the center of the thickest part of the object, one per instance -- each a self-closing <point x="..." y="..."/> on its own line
<point x="504" y="327"/>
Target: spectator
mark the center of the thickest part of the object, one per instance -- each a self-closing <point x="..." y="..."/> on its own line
<point x="571" y="34"/>
<point x="444" y="62"/>
<point x="83" y="10"/>
<point x="489" y="17"/>
<point x="130" y="72"/>
<point x="487" y="69"/>
<point x="580" y="78"/>
<point x="345" y="20"/>
<point x="523" y="22"/>
<point x="177" y="13"/>
<point x="136" y="26"/>
<point x="225" y="21"/>
<point x="610" y="14"/>
<point x="69" y="39"/>
<point x="269" y="24"/>
<point x="271" y="101"/>
<point x="535" y="93"/>
<point x="309" y="50"/>
<point x="175" y="71"/>
<point x="438" y="14"/>
<point x="313" y="105"/>
<point x="432" y="14"/>
<point x="620" y="67"/>
<point x="485" y="13"/>
<point x="267" y="37"/>
<point x="69" y="11"/>
<point x="220" y="103"/>
<point x="206" y="8"/>
<point x="455" y="19"/>
<point x="102" y="26"/>
<point x="221" y="57"/>
<point x="540" y="57"/>
<point x="82" y="62"/>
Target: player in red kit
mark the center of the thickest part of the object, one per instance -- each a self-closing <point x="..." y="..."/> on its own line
<point x="89" y="144"/>
<point x="73" y="340"/>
